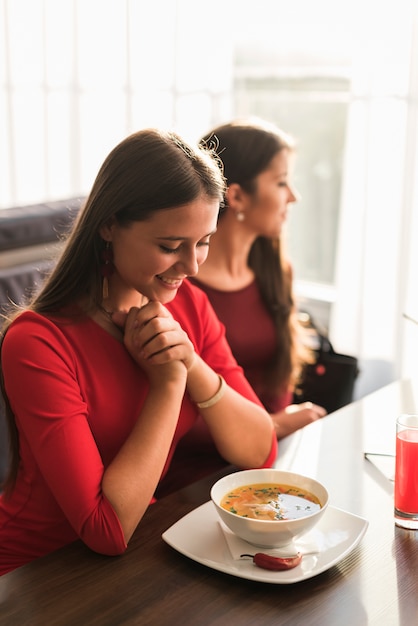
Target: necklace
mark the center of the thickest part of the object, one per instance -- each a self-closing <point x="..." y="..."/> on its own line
<point x="104" y="319"/>
<point x="109" y="314"/>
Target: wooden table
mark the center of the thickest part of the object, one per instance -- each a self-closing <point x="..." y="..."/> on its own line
<point x="376" y="584"/>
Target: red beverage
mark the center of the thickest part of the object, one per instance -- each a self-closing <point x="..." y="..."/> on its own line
<point x="406" y="472"/>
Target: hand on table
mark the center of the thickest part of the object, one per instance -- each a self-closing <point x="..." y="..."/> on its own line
<point x="296" y="416"/>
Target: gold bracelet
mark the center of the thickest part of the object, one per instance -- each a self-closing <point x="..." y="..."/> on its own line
<point x="214" y="399"/>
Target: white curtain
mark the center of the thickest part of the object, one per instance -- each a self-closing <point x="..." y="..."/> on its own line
<point x="77" y="76"/>
<point x="379" y="199"/>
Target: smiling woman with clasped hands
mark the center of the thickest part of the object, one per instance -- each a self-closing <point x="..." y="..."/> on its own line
<point x="118" y="355"/>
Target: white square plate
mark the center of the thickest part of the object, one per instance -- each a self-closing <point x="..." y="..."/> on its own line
<point x="199" y="536"/>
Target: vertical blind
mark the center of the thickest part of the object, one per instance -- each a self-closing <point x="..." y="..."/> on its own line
<point x="380" y="189"/>
<point x="77" y="76"/>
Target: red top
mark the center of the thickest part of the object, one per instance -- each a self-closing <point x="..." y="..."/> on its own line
<point x="251" y="334"/>
<point x="76" y="394"/>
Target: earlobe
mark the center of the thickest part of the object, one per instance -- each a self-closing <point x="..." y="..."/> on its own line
<point x="105" y="231"/>
<point x="234" y="196"/>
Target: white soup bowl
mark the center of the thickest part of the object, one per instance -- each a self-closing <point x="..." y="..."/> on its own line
<point x="268" y="533"/>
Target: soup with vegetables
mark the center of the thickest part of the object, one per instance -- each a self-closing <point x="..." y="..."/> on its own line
<point x="268" y="501"/>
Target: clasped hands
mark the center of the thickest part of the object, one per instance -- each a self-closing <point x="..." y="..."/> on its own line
<point x="154" y="338"/>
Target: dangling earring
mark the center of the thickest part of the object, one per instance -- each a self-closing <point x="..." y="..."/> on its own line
<point x="240" y="215"/>
<point x="107" y="268"/>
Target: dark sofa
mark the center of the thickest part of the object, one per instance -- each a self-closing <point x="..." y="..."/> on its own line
<point x="29" y="243"/>
<point x="27" y="228"/>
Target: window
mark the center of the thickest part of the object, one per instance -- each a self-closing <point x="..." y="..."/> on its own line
<point x="314" y="110"/>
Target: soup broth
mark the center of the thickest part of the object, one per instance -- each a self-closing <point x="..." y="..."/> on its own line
<point x="269" y="501"/>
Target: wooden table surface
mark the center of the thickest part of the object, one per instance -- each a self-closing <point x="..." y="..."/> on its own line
<point x="376" y="584"/>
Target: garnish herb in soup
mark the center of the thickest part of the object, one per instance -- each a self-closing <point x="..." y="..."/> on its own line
<point x="269" y="501"/>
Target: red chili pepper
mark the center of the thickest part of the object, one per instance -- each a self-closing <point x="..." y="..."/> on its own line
<point x="266" y="561"/>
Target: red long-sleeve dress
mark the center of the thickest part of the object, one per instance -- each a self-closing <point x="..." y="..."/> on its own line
<point x="76" y="394"/>
<point x="252" y="337"/>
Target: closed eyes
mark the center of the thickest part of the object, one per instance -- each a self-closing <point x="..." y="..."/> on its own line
<point x="168" y="250"/>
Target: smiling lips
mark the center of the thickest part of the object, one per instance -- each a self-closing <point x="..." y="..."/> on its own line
<point x="173" y="283"/>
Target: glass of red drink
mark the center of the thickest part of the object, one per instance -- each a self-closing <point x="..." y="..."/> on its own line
<point x="406" y="472"/>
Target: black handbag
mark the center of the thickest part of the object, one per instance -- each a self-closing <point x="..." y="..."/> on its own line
<point x="330" y="380"/>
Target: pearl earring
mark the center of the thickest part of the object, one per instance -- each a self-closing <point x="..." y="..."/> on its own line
<point x="240" y="216"/>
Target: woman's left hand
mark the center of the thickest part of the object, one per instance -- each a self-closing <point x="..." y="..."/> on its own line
<point x="296" y="416"/>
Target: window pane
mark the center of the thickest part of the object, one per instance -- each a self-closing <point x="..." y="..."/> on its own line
<point x="314" y="111"/>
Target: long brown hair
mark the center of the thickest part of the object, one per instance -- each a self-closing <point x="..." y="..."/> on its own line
<point x="149" y="171"/>
<point x="246" y="148"/>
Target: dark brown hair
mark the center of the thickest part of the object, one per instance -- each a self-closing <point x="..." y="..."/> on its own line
<point x="149" y="171"/>
<point x="246" y="148"/>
